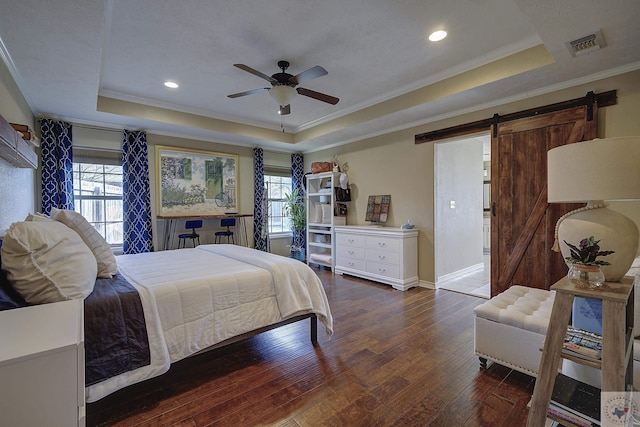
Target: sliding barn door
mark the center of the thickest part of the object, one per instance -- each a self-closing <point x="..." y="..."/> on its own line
<point x="522" y="222"/>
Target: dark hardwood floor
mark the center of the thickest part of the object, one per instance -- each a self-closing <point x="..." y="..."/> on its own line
<point x="395" y="359"/>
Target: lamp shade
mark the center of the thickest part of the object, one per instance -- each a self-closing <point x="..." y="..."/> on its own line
<point x="283" y="94"/>
<point x="591" y="172"/>
<point x="600" y="169"/>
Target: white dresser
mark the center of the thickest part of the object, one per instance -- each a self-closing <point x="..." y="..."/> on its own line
<point x="42" y="365"/>
<point x="387" y="255"/>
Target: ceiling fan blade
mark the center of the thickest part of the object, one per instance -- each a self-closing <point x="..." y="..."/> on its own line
<point x="249" y="92"/>
<point x="285" y="110"/>
<point x="255" y="72"/>
<point x="317" y="95"/>
<point x="311" y="73"/>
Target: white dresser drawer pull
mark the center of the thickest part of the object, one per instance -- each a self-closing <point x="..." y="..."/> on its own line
<point x="381" y="244"/>
<point x="351" y="252"/>
<point x="381" y="257"/>
<point x="350" y="264"/>
<point x="350" y="240"/>
<point x="382" y="270"/>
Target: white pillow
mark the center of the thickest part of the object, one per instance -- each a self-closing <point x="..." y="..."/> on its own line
<point x="38" y="217"/>
<point x="46" y="261"/>
<point x="326" y="214"/>
<point x="318" y="214"/>
<point x="107" y="265"/>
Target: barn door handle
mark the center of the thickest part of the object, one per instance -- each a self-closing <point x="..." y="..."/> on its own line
<point x="493" y="208"/>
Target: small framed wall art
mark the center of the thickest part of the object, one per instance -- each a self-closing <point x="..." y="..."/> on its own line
<point x="378" y="208"/>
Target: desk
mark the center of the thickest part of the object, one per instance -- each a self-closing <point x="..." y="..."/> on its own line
<point x="170" y="227"/>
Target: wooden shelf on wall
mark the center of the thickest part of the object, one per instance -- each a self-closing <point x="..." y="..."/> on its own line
<point x="14" y="149"/>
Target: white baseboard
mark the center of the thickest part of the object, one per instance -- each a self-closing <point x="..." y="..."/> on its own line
<point x="426" y="284"/>
<point x="461" y="273"/>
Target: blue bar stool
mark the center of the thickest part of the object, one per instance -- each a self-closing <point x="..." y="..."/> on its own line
<point x="226" y="222"/>
<point x="193" y="224"/>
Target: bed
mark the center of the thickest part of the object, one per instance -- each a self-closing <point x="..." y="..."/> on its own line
<point x="190" y="300"/>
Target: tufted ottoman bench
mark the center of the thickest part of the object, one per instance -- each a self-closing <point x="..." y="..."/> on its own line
<point x="509" y="328"/>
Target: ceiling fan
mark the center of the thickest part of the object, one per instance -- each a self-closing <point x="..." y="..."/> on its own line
<point x="283" y="85"/>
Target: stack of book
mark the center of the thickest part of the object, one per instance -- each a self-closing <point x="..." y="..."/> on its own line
<point x="584" y="344"/>
<point x="575" y="402"/>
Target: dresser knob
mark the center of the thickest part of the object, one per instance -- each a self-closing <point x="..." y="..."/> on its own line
<point x="381" y="257"/>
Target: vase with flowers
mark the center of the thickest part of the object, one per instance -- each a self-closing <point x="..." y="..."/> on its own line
<point x="584" y="267"/>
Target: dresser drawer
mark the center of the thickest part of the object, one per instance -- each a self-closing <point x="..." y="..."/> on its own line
<point x="383" y="243"/>
<point x="384" y="257"/>
<point x="354" y="264"/>
<point x="350" y="252"/>
<point x="386" y="270"/>
<point x="350" y="240"/>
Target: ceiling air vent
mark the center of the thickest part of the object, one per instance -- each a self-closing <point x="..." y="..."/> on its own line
<point x="586" y="44"/>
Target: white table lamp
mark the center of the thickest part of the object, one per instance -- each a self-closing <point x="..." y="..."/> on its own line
<point x="592" y="172"/>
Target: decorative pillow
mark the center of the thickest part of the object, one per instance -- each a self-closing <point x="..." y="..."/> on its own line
<point x="326" y="214"/>
<point x="107" y="265"/>
<point x="38" y="217"/>
<point x="318" y="214"/>
<point x="46" y="261"/>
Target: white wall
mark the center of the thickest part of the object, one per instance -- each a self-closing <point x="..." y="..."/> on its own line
<point x="16" y="194"/>
<point x="458" y="229"/>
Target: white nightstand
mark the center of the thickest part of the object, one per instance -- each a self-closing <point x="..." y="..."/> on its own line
<point x="42" y="365"/>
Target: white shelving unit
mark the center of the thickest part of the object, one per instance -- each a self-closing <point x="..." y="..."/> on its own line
<point x="321" y="203"/>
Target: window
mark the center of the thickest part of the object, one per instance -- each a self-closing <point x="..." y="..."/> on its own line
<point x="97" y="192"/>
<point x="277" y="184"/>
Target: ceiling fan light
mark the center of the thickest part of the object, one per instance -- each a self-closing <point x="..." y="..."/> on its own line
<point x="283" y="94"/>
<point x="436" y="36"/>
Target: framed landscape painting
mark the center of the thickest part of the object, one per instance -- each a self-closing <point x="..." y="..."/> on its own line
<point x="195" y="183"/>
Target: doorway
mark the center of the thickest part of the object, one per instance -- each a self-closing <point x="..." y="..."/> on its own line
<point x="462" y="224"/>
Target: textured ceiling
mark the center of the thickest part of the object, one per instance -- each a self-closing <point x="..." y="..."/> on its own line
<point x="103" y="63"/>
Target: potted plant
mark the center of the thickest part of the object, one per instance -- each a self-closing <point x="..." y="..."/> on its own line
<point x="295" y="209"/>
<point x="584" y="267"/>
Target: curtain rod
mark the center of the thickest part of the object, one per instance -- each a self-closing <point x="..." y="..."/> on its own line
<point x="98" y="128"/>
<point x="84" y="126"/>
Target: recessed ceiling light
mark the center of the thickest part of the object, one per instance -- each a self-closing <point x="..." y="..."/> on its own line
<point x="171" y="85"/>
<point x="436" y="36"/>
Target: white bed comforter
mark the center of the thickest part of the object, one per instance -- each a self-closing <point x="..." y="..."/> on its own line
<point x="195" y="298"/>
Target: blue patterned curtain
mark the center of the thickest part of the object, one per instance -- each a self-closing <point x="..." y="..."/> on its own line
<point x="57" y="165"/>
<point x="297" y="183"/>
<point x="136" y="203"/>
<point x="259" y="213"/>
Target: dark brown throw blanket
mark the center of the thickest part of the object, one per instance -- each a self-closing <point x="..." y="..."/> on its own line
<point x="114" y="330"/>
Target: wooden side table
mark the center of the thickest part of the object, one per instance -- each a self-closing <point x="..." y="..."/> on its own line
<point x="617" y="341"/>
